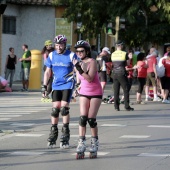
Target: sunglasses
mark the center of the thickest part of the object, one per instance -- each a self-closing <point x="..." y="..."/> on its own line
<point x="81" y="51"/>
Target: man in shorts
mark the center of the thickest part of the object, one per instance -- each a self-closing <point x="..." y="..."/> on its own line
<point x="151" y="75"/>
<point x="25" y="67"/>
<point x="60" y="62"/>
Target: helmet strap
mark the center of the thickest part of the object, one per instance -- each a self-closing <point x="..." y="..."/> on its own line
<point x="84" y="58"/>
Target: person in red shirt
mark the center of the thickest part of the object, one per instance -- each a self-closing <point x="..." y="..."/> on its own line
<point x="166" y="82"/>
<point x="151" y="75"/>
<point x="129" y="69"/>
<point x="142" y="73"/>
<point x="167" y="50"/>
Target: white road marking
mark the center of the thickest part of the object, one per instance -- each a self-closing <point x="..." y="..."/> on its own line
<point x="113" y="125"/>
<point x="22" y="124"/>
<point x="98" y="153"/>
<point x="78" y="136"/>
<point x="14" y="113"/>
<point x="134" y="136"/>
<point x="159" y="126"/>
<point x="19" y="111"/>
<point x="29" y="135"/>
<point x="9" y="115"/>
<point x="154" y="155"/>
<point x="5" y="118"/>
<point x="26" y="153"/>
<point x="70" y="124"/>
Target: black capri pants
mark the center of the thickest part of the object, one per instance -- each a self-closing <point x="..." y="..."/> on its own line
<point x="141" y="84"/>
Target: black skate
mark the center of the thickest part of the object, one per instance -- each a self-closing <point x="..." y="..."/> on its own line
<point x="80" y="149"/>
<point x="52" y="137"/>
<point x="65" y="137"/>
<point x="94" y="148"/>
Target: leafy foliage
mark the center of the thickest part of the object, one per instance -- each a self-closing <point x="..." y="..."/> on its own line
<point x="146" y="21"/>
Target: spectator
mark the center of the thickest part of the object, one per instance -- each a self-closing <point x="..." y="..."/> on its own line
<point x="3" y="85"/>
<point x="102" y="59"/>
<point x="129" y="69"/>
<point x="11" y="61"/>
<point x="142" y="73"/>
<point x="47" y="49"/>
<point x="120" y="61"/>
<point x="25" y="67"/>
<point x="166" y="82"/>
<point x="167" y="50"/>
<point x="151" y="75"/>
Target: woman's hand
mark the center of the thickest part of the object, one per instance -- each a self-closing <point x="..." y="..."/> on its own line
<point x="78" y="66"/>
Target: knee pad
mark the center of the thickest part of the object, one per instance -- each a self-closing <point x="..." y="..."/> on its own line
<point x="55" y="112"/>
<point x="92" y="122"/>
<point x="64" y="111"/>
<point x="83" y="121"/>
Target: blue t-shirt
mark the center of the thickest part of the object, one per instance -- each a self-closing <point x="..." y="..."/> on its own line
<point x="63" y="69"/>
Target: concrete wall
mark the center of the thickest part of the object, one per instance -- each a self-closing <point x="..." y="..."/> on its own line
<point x="35" y="24"/>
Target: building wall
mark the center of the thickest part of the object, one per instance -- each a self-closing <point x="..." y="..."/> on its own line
<point x="35" y="24"/>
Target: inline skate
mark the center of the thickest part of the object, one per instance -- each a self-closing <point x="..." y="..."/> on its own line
<point x="52" y="137"/>
<point x="65" y="137"/>
<point x="81" y="148"/>
<point x="93" y="148"/>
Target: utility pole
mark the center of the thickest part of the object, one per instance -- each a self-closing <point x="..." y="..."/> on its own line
<point x="117" y="29"/>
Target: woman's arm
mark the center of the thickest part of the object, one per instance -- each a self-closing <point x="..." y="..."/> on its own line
<point x="6" y="61"/>
<point x="15" y="59"/>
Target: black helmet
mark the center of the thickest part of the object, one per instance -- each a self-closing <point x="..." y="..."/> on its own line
<point x="119" y="42"/>
<point x="82" y="43"/>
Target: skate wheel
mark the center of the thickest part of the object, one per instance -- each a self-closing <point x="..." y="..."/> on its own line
<point x="80" y="156"/>
<point x="50" y="146"/>
<point x="63" y="146"/>
<point x="92" y="155"/>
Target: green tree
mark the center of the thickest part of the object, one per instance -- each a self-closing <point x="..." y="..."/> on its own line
<point x="144" y="23"/>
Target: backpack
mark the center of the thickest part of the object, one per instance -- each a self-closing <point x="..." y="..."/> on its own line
<point x="160" y="69"/>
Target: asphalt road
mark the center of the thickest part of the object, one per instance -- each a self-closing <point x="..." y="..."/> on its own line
<point x="138" y="140"/>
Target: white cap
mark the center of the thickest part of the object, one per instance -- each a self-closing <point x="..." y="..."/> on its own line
<point x="106" y="49"/>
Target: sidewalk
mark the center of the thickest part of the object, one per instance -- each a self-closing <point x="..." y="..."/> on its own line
<point x="17" y="86"/>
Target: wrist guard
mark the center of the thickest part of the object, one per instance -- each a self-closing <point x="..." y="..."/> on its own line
<point x="77" y="85"/>
<point x="78" y="67"/>
<point x="43" y="89"/>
